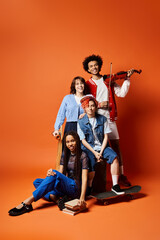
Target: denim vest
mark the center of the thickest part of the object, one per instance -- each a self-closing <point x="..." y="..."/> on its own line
<point x="87" y="129"/>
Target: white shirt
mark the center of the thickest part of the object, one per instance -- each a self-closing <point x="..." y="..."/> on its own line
<point x="78" y="99"/>
<point x="102" y="90"/>
<point x="93" y="121"/>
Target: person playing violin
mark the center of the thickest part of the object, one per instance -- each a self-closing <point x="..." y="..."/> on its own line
<point x="103" y="88"/>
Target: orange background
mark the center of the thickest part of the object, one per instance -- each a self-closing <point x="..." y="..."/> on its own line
<point x="43" y="44"/>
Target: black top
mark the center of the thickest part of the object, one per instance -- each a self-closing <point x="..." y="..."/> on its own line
<point x="71" y="164"/>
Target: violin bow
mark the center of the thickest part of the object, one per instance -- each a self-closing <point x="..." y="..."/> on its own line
<point x="110" y="79"/>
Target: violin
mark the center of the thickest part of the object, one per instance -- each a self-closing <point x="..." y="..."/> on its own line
<point x="109" y="79"/>
<point x="120" y="75"/>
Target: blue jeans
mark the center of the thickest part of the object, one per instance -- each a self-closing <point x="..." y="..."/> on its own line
<point x="108" y="154"/>
<point x="58" y="185"/>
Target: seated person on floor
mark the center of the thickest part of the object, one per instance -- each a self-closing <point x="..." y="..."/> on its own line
<point x="74" y="164"/>
<point x="93" y="129"/>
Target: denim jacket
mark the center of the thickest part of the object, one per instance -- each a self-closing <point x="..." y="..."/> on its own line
<point x="87" y="129"/>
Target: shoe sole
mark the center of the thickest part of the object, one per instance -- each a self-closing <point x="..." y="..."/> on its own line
<point x="118" y="193"/>
<point x="17" y="214"/>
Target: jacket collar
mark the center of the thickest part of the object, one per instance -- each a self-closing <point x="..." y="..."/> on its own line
<point x="98" y="118"/>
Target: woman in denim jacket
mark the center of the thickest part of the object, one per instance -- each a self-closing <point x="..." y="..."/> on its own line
<point x="93" y="130"/>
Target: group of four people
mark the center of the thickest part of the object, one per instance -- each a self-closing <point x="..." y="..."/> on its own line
<point x="88" y="127"/>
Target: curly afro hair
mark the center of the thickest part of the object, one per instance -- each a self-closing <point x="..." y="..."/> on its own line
<point x="90" y="58"/>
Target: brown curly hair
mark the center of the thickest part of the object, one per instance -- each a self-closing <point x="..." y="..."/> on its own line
<point x="72" y="87"/>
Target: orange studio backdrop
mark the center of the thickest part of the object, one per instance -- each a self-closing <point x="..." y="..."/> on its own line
<point x="43" y="44"/>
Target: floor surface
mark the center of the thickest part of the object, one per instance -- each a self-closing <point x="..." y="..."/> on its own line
<point x="135" y="219"/>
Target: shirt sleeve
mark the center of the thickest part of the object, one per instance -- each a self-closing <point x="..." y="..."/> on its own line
<point x="121" y="91"/>
<point x="61" y="114"/>
<point x="84" y="161"/>
<point x="80" y="133"/>
<point x="106" y="127"/>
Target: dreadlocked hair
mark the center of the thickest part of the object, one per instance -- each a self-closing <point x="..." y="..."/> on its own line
<point x="77" y="166"/>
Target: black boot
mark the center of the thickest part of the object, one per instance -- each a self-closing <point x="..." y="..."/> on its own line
<point x="62" y="201"/>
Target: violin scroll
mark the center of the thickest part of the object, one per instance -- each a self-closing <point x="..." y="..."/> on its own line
<point x="137" y="71"/>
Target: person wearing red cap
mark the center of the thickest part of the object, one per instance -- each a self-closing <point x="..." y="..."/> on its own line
<point x="100" y="90"/>
<point x="93" y="131"/>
